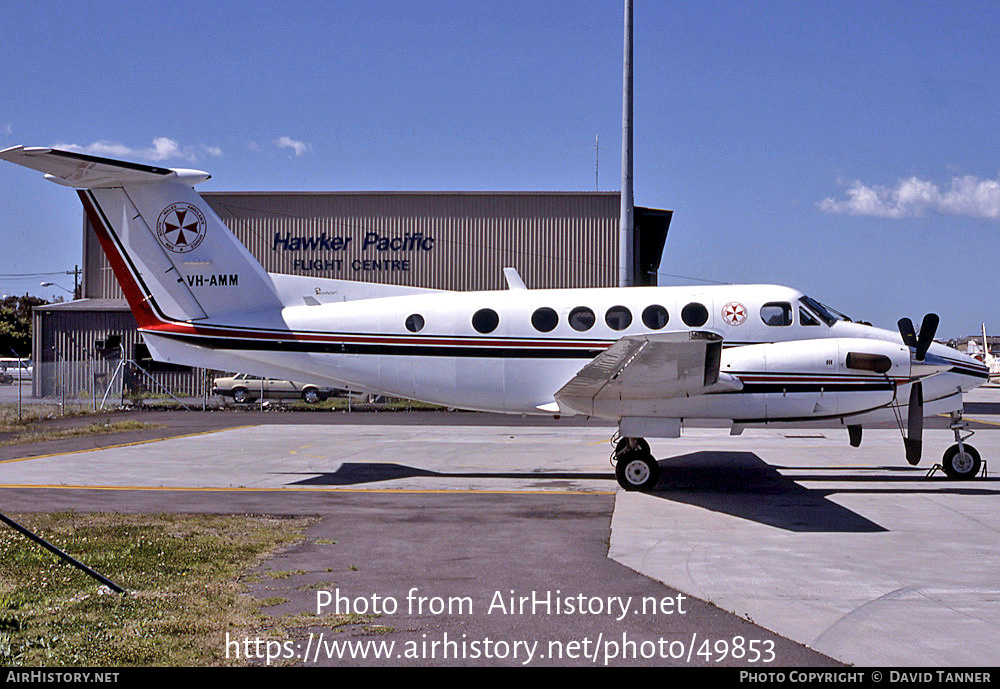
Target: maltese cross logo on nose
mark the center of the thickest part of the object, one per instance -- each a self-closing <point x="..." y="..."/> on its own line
<point x="181" y="227"/>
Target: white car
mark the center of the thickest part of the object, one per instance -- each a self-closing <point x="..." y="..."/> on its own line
<point x="245" y="388"/>
<point x="12" y="370"/>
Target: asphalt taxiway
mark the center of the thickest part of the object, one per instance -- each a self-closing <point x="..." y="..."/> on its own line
<point x="830" y="552"/>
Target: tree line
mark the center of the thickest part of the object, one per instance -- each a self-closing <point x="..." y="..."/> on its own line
<point x="15" y="324"/>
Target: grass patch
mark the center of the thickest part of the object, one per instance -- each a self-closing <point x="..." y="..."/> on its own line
<point x="35" y="435"/>
<point x="182" y="574"/>
<point x="32" y="413"/>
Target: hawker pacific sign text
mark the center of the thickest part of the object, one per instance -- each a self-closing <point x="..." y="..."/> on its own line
<point x="392" y="253"/>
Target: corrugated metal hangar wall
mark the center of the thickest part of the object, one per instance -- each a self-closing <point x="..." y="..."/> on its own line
<point x="443" y="240"/>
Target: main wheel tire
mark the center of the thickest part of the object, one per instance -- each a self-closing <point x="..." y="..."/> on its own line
<point x="6" y="379"/>
<point x="311" y="396"/>
<point x="637" y="470"/>
<point x="960" y="465"/>
<point x="241" y="396"/>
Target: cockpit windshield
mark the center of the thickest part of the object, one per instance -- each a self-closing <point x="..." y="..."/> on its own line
<point x="824" y="313"/>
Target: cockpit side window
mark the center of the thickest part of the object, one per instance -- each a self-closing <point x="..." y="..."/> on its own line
<point x="806" y="318"/>
<point x="776" y="313"/>
<point x="816" y="308"/>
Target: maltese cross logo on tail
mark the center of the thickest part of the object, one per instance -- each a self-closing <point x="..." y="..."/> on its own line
<point x="181" y="227"/>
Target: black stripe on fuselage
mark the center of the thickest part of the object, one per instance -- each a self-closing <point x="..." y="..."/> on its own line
<point x="781" y="387"/>
<point x="975" y="373"/>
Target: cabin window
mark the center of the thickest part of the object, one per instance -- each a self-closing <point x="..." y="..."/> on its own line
<point x="655" y="317"/>
<point x="485" y="320"/>
<point x="581" y="318"/>
<point x="806" y="318"/>
<point x="545" y="319"/>
<point x="415" y="323"/>
<point x="776" y="313"/>
<point x="618" y="318"/>
<point x="694" y="315"/>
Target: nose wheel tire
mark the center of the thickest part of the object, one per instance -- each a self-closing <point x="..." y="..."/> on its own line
<point x="637" y="470"/>
<point x="961" y="462"/>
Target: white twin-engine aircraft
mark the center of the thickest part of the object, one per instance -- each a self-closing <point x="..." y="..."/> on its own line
<point x="644" y="357"/>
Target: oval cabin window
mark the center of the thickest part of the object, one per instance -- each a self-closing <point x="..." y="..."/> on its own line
<point x="581" y="318"/>
<point x="618" y="318"/>
<point x="545" y="319"/>
<point x="655" y="317"/>
<point x="485" y="320"/>
<point x="694" y="315"/>
<point x="415" y="323"/>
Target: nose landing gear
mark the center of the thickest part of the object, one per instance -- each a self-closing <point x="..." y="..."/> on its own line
<point x="961" y="461"/>
<point x="635" y="468"/>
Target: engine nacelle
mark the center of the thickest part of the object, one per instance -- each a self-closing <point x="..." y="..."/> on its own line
<point x="819" y="378"/>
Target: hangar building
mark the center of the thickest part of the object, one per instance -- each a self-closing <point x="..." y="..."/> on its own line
<point x="443" y="240"/>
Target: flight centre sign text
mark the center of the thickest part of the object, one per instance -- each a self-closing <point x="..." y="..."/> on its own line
<point x="327" y="252"/>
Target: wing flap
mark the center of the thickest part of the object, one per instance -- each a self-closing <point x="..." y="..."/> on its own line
<point x="647" y="367"/>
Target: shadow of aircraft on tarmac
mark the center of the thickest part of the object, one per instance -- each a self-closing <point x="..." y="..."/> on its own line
<point x="739" y="484"/>
<point x="355" y="473"/>
<point x="973" y="408"/>
<point x="743" y="485"/>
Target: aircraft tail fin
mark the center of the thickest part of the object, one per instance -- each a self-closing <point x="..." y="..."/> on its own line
<point x="173" y="256"/>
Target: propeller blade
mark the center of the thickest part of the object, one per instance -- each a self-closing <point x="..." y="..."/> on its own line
<point x="915" y="424"/>
<point x="907" y="332"/>
<point x="928" y="328"/>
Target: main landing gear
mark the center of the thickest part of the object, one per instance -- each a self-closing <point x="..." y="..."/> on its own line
<point x="635" y="467"/>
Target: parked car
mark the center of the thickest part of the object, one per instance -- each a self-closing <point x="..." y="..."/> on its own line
<point x="245" y="388"/>
<point x="9" y="370"/>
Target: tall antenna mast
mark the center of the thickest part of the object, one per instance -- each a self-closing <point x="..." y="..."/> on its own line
<point x="597" y="162"/>
<point x="626" y="249"/>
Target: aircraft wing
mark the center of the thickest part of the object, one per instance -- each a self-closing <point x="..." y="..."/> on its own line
<point x="651" y="366"/>
<point x="83" y="171"/>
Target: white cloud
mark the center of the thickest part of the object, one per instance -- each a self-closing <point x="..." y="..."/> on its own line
<point x="300" y="147"/>
<point x="163" y="148"/>
<point x="7" y="129"/>
<point x="968" y="196"/>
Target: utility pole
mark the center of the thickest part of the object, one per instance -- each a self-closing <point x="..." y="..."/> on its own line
<point x="626" y="227"/>
<point x="76" y="280"/>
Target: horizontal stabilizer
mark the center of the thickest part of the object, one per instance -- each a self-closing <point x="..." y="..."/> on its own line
<point x="83" y="171"/>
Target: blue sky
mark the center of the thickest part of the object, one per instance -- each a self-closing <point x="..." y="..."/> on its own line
<point x="849" y="149"/>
